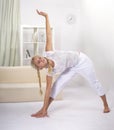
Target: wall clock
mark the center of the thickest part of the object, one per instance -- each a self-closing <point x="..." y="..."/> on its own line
<point x="70" y="19"/>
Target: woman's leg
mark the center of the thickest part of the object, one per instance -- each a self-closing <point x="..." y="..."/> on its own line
<point x="59" y="84"/>
<point x="106" y="107"/>
<point x="86" y="69"/>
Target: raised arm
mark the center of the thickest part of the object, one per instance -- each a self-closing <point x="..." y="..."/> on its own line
<point x="49" y="46"/>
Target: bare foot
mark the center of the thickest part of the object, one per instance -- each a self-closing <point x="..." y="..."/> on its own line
<point x="33" y="115"/>
<point x="106" y="109"/>
<point x="40" y="114"/>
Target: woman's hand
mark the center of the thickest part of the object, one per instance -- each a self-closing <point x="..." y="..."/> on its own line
<point x="42" y="13"/>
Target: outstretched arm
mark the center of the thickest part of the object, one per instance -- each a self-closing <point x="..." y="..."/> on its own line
<point x="49" y="46"/>
<point x="47" y="100"/>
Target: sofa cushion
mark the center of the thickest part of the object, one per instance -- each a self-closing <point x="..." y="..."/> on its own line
<point x="20" y="74"/>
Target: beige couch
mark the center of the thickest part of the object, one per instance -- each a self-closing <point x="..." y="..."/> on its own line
<point x="20" y="83"/>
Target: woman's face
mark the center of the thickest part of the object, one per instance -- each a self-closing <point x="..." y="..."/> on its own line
<point x="39" y="62"/>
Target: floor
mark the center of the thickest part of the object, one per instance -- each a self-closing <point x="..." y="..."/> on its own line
<point x="80" y="109"/>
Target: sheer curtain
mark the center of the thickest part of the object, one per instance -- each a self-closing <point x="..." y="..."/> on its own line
<point x="9" y="32"/>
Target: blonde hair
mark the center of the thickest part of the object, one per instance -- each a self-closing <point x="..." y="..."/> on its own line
<point x="38" y="72"/>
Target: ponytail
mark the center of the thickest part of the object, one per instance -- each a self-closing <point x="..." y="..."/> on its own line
<point x="38" y="72"/>
<point x="38" y="75"/>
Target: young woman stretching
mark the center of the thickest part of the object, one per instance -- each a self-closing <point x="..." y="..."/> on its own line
<point x="68" y="64"/>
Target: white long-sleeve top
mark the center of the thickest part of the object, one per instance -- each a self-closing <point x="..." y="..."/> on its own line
<point x="62" y="60"/>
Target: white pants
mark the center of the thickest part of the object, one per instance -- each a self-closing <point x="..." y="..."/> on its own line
<point x="85" y="68"/>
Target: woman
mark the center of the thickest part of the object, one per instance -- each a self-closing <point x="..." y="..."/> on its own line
<point x="68" y="63"/>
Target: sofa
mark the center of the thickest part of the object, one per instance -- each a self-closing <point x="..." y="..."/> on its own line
<point x="20" y="84"/>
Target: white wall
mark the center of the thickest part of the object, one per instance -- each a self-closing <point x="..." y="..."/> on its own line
<point x="97" y="39"/>
<point x="66" y="36"/>
<point x="92" y="33"/>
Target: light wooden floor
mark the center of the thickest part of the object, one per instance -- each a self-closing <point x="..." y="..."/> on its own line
<point x="81" y="109"/>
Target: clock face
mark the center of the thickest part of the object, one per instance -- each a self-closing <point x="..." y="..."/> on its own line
<point x="70" y="19"/>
